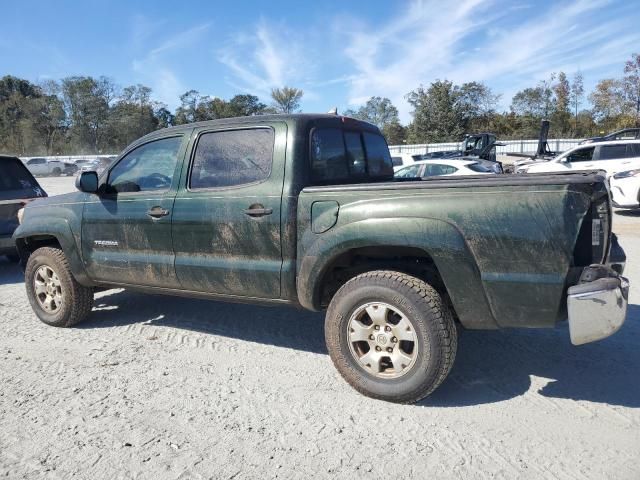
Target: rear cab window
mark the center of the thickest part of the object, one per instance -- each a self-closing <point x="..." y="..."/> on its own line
<point x="343" y="156"/>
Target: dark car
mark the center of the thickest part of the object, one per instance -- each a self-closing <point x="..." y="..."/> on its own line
<point x="17" y="186"/>
<point x="626" y="134"/>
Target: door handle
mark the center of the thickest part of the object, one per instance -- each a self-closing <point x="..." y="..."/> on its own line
<point x="157" y="212"/>
<point x="258" y="210"/>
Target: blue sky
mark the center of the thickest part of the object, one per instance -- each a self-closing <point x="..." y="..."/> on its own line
<point x="340" y="53"/>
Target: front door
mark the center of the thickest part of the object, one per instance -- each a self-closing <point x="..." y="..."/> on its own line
<point x="226" y="216"/>
<point x="126" y="230"/>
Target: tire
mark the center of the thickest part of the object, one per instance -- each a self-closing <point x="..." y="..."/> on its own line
<point x="414" y="368"/>
<point x="56" y="172"/>
<point x="71" y="302"/>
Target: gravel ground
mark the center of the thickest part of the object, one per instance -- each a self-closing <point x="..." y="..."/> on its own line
<point x="163" y="387"/>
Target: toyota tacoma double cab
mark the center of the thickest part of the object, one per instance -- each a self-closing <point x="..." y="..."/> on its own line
<point x="303" y="210"/>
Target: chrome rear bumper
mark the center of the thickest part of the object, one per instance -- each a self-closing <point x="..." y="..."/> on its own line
<point x="597" y="308"/>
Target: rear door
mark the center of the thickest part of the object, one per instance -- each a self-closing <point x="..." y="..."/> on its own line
<point x="226" y="220"/>
<point x="126" y="231"/>
<point x="616" y="158"/>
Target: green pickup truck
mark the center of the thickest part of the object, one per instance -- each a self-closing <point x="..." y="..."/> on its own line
<point x="303" y="210"/>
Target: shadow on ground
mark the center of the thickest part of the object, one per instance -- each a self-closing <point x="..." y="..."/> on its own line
<point x="10" y="272"/>
<point x="628" y="213"/>
<point x="491" y="366"/>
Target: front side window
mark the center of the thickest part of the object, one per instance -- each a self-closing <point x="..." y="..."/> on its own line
<point x="148" y="167"/>
<point x="232" y="157"/>
<point x="612" y="152"/>
<point x="581" y="155"/>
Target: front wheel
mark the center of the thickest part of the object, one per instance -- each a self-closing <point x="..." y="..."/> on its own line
<point x="390" y="336"/>
<point x="55" y="295"/>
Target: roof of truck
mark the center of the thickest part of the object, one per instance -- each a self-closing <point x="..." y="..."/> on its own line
<point x="296" y="117"/>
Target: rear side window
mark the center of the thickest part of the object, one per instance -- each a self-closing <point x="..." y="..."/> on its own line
<point x="232" y="157"/>
<point x="612" y="152"/>
<point x="478" y="167"/>
<point x="436" y="169"/>
<point x="633" y="150"/>
<point x="397" y="161"/>
<point x="338" y="155"/>
<point x="14" y="176"/>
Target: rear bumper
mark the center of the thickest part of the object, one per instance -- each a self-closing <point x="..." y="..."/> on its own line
<point x="597" y="308"/>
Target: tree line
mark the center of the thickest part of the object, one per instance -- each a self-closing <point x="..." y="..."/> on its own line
<point x="86" y="115"/>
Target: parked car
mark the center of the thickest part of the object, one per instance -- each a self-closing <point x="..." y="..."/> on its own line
<point x="612" y="157"/>
<point x="625" y="189"/>
<point x="87" y="165"/>
<point x="303" y="210"/>
<point x="400" y="160"/>
<point x="626" y="134"/>
<point x="43" y="167"/>
<point x="434" y="168"/>
<point x="17" y="187"/>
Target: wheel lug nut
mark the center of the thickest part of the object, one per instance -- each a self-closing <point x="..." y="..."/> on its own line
<point x="387" y="328"/>
<point x="371" y="337"/>
<point x="394" y="339"/>
<point x="378" y="349"/>
<point x="389" y="349"/>
<point x="377" y="327"/>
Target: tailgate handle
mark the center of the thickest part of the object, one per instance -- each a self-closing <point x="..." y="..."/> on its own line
<point x="157" y="212"/>
<point x="258" y="210"/>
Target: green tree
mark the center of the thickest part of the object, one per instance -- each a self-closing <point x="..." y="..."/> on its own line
<point x="244" y="106"/>
<point x="286" y="99"/>
<point x="476" y="104"/>
<point x="608" y="102"/>
<point x="561" y="115"/>
<point x="631" y="84"/>
<point x="575" y="98"/>
<point x="87" y="103"/>
<point x="378" y="110"/>
<point x="436" y="117"/>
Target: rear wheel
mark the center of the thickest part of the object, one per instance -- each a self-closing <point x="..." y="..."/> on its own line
<point x="390" y="336"/>
<point x="55" y="295"/>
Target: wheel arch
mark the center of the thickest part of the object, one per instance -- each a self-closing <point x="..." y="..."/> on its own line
<point x="430" y="249"/>
<point x="36" y="234"/>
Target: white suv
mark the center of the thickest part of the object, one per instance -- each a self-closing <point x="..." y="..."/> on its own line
<point x="612" y="157"/>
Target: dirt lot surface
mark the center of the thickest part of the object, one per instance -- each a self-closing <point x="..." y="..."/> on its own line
<point x="161" y="387"/>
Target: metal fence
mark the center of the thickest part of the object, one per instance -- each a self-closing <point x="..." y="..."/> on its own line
<point x="511" y="146"/>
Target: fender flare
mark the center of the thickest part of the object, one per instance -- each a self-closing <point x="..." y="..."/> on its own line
<point x="442" y="241"/>
<point x="60" y="229"/>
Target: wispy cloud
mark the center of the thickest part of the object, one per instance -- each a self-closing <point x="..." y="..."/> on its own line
<point x="479" y="40"/>
<point x="270" y="57"/>
<point x="156" y="67"/>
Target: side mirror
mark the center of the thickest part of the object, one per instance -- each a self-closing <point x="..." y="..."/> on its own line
<point x="87" y="182"/>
